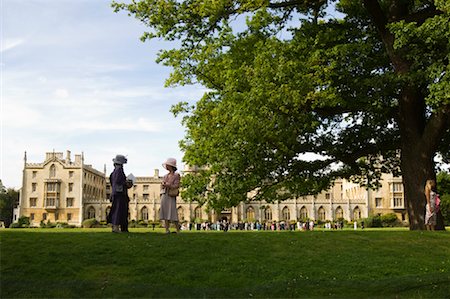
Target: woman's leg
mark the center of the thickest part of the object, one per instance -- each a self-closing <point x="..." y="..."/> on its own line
<point x="167" y="226"/>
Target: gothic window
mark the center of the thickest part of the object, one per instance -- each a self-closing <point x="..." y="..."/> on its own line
<point x="303" y="213"/>
<point x="268" y="213"/>
<point x="286" y="214"/>
<point x="53" y="171"/>
<point x="250" y="214"/>
<point x="198" y="212"/>
<point x="356" y="213"/>
<point x="339" y="213"/>
<point x="91" y="213"/>
<point x="107" y="211"/>
<point x="144" y="213"/>
<point x="322" y="214"/>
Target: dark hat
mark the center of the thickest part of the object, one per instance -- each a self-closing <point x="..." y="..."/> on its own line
<point x="120" y="159"/>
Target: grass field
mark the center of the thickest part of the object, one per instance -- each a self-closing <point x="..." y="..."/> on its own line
<point x="94" y="263"/>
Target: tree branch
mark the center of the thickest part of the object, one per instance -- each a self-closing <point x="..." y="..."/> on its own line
<point x="436" y="126"/>
<point x="286" y="4"/>
<point x="377" y="15"/>
<point x="421" y="16"/>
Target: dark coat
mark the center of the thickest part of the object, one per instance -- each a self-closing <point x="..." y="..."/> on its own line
<point x="119" y="197"/>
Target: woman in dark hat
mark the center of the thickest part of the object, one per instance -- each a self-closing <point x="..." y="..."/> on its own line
<point x="118" y="215"/>
<point x="168" y="212"/>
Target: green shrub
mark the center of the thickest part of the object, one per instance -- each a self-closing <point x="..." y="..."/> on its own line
<point x="89" y="223"/>
<point x="24" y="221"/>
<point x="15" y="225"/>
<point x="142" y="223"/>
<point x="373" y="221"/>
<point x="21" y="223"/>
<point x="389" y="220"/>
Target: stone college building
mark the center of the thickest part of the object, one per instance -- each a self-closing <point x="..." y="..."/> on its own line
<point x="60" y="189"/>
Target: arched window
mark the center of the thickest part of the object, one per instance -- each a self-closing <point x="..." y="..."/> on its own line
<point x="286" y="214"/>
<point x="53" y="171"/>
<point x="144" y="213"/>
<point x="91" y="213"/>
<point x="356" y="213"/>
<point x="303" y="213"/>
<point x="107" y="211"/>
<point x="180" y="213"/>
<point x="198" y="212"/>
<point x="321" y="214"/>
<point x="268" y="213"/>
<point x="250" y="214"/>
<point x="339" y="213"/>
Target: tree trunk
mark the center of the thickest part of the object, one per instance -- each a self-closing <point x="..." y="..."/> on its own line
<point x="417" y="155"/>
<point x="416" y="169"/>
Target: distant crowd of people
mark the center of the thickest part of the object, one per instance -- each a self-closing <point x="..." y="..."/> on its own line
<point x="224" y="225"/>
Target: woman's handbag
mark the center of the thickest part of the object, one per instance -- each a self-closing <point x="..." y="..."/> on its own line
<point x="173" y="192"/>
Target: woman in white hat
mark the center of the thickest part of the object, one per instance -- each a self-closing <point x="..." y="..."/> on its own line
<point x="169" y="191"/>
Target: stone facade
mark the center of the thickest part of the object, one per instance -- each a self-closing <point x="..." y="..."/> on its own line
<point x="59" y="190"/>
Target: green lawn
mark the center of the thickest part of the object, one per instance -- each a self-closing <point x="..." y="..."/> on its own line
<point x="92" y="263"/>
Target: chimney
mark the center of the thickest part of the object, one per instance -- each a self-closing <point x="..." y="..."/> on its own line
<point x="78" y="159"/>
<point x="68" y="157"/>
<point x="156" y="173"/>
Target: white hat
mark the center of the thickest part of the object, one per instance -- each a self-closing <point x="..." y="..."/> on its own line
<point x="120" y="159"/>
<point x="171" y="162"/>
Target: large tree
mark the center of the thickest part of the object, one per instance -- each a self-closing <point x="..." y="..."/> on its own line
<point x="307" y="91"/>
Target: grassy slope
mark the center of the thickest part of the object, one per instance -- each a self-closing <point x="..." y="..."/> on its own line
<point x="345" y="264"/>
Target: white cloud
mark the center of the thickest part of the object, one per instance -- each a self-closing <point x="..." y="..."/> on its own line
<point x="61" y="93"/>
<point x="10" y="43"/>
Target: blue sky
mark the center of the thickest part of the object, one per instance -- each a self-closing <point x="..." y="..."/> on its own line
<point x="75" y="76"/>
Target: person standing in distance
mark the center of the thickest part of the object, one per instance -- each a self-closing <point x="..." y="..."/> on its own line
<point x="118" y="216"/>
<point x="168" y="211"/>
<point x="430" y="208"/>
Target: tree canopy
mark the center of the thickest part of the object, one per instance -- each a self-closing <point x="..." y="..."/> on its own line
<point x="306" y="91"/>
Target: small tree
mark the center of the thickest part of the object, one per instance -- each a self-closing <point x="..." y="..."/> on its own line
<point x="8" y="200"/>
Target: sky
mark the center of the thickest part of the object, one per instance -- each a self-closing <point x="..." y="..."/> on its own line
<point x="75" y="76"/>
